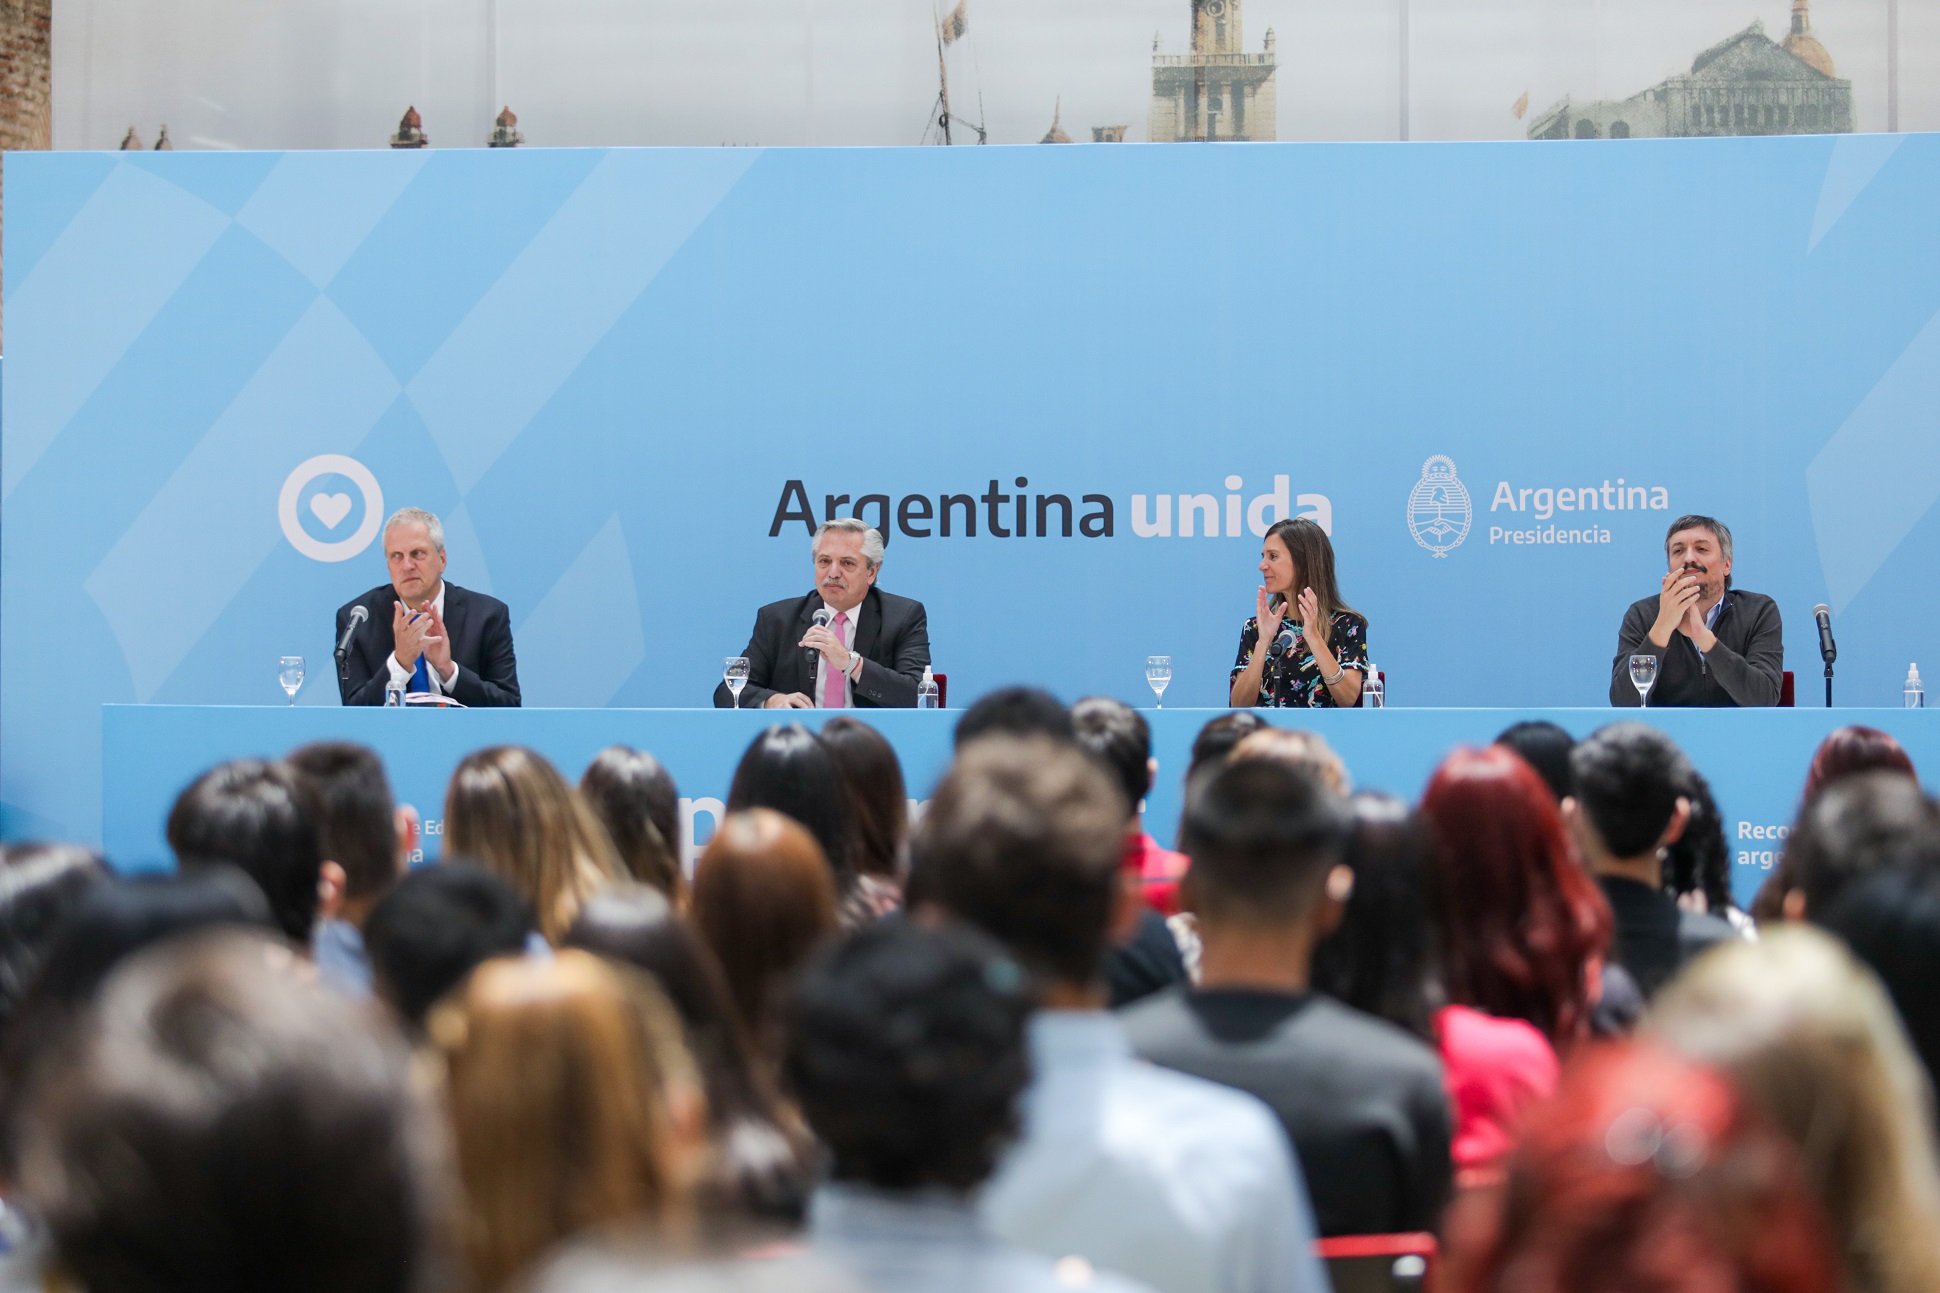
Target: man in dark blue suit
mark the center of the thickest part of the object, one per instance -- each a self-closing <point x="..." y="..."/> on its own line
<point x="424" y="634"/>
<point x="871" y="653"/>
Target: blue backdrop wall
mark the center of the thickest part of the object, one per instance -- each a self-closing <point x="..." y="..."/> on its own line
<point x="628" y="379"/>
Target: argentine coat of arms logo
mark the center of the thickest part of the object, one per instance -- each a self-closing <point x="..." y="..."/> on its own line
<point x="1439" y="510"/>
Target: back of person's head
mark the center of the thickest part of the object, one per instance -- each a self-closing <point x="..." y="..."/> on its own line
<point x="40" y="886"/>
<point x="906" y="1051"/>
<point x="221" y="1124"/>
<point x="1811" y="1038"/>
<point x="508" y="810"/>
<point x="1891" y="921"/>
<point x="1014" y="711"/>
<point x="1851" y="749"/>
<point x="1699" y="860"/>
<point x="1023" y="839"/>
<point x="761" y="1164"/>
<point x="1377" y="958"/>
<point x="1546" y="747"/>
<point x="789" y="770"/>
<point x="1218" y="737"/>
<point x="356" y="819"/>
<point x="1645" y="1173"/>
<point x="1307" y="751"/>
<point x="1857" y="825"/>
<point x="635" y="799"/>
<point x="434" y="927"/>
<point x="876" y="792"/>
<point x="1120" y="738"/>
<point x="1517" y="918"/>
<point x="763" y="898"/>
<point x="564" y="1077"/>
<point x="110" y="922"/>
<point x="1628" y="779"/>
<point x="1262" y="836"/>
<point x="257" y="817"/>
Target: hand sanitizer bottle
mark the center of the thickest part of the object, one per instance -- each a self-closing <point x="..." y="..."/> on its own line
<point x="926" y="696"/>
<point x="1374" y="692"/>
<point x="1916" y="692"/>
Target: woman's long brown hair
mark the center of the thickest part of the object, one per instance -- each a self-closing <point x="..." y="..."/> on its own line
<point x="1313" y="566"/>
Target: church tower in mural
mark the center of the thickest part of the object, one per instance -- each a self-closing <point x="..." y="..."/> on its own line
<point x="1217" y="91"/>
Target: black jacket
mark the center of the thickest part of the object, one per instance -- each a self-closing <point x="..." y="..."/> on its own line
<point x="481" y="647"/>
<point x="1744" y="668"/>
<point x="892" y="636"/>
<point x="1363" y="1102"/>
<point x="1654" y="938"/>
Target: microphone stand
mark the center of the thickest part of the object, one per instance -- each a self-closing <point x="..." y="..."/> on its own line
<point x="1828" y="682"/>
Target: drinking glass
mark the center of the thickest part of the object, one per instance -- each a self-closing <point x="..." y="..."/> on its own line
<point x="289" y="672"/>
<point x="1643" y="674"/>
<point x="735" y="673"/>
<point x="1158" y="672"/>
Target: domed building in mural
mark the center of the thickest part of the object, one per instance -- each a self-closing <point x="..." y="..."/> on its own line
<point x="1748" y="84"/>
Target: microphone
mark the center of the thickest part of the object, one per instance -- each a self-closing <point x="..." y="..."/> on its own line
<point x="357" y="616"/>
<point x="822" y="616"/>
<point x="1823" y="614"/>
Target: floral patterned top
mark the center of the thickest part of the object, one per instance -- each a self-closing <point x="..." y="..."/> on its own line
<point x="1292" y="678"/>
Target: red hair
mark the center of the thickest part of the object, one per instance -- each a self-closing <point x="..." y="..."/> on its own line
<point x="1645" y="1175"/>
<point x="1520" y="919"/>
<point x="1854" y="749"/>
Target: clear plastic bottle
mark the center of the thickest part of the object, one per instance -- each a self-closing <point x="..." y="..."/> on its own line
<point x="1374" y="692"/>
<point x="1916" y="692"/>
<point x="394" y="696"/>
<point x="926" y="692"/>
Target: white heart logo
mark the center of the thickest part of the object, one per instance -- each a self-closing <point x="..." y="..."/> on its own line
<point x="331" y="509"/>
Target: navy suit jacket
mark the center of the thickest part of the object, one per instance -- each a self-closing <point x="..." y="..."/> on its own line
<point x="892" y="636"/>
<point x="481" y="647"/>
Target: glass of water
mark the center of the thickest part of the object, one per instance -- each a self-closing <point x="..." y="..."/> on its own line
<point x="289" y="672"/>
<point x="1643" y="675"/>
<point x="735" y="673"/>
<point x="1158" y="672"/>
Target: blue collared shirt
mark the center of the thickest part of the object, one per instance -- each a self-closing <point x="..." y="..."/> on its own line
<point x="338" y="948"/>
<point x="1185" y="1185"/>
<point x="932" y="1240"/>
<point x="1711" y="618"/>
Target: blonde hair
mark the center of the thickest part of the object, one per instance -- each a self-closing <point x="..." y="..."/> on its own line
<point x="1810" y="1036"/>
<point x="1303" y="750"/>
<point x="560" y="1079"/>
<point x="510" y="811"/>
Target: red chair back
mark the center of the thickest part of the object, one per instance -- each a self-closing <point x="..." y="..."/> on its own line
<point x="1380" y="1263"/>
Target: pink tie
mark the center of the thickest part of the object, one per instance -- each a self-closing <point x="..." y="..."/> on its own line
<point x="835" y="692"/>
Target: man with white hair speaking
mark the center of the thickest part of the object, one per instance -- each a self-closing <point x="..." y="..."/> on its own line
<point x="422" y="634"/>
<point x="870" y="651"/>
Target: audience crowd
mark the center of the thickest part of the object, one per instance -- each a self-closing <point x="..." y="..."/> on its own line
<point x="1515" y="1038"/>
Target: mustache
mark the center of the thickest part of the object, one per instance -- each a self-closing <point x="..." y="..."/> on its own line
<point x="1697" y="566"/>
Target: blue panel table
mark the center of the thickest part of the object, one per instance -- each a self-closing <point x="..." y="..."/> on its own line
<point x="1756" y="759"/>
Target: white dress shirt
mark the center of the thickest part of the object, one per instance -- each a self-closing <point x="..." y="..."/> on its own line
<point x="822" y="666"/>
<point x="1179" y="1183"/>
<point x="401" y="677"/>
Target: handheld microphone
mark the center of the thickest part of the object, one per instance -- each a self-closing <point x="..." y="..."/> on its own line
<point x="821" y="617"/>
<point x="357" y="616"/>
<point x="1823" y="614"/>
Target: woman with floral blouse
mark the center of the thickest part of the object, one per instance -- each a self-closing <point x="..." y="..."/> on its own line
<point x="1316" y="656"/>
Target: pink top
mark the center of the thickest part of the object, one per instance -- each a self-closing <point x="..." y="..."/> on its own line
<point x="1494" y="1069"/>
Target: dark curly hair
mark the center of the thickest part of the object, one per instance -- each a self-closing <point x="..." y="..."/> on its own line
<point x="906" y="1052"/>
<point x="1699" y="860"/>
